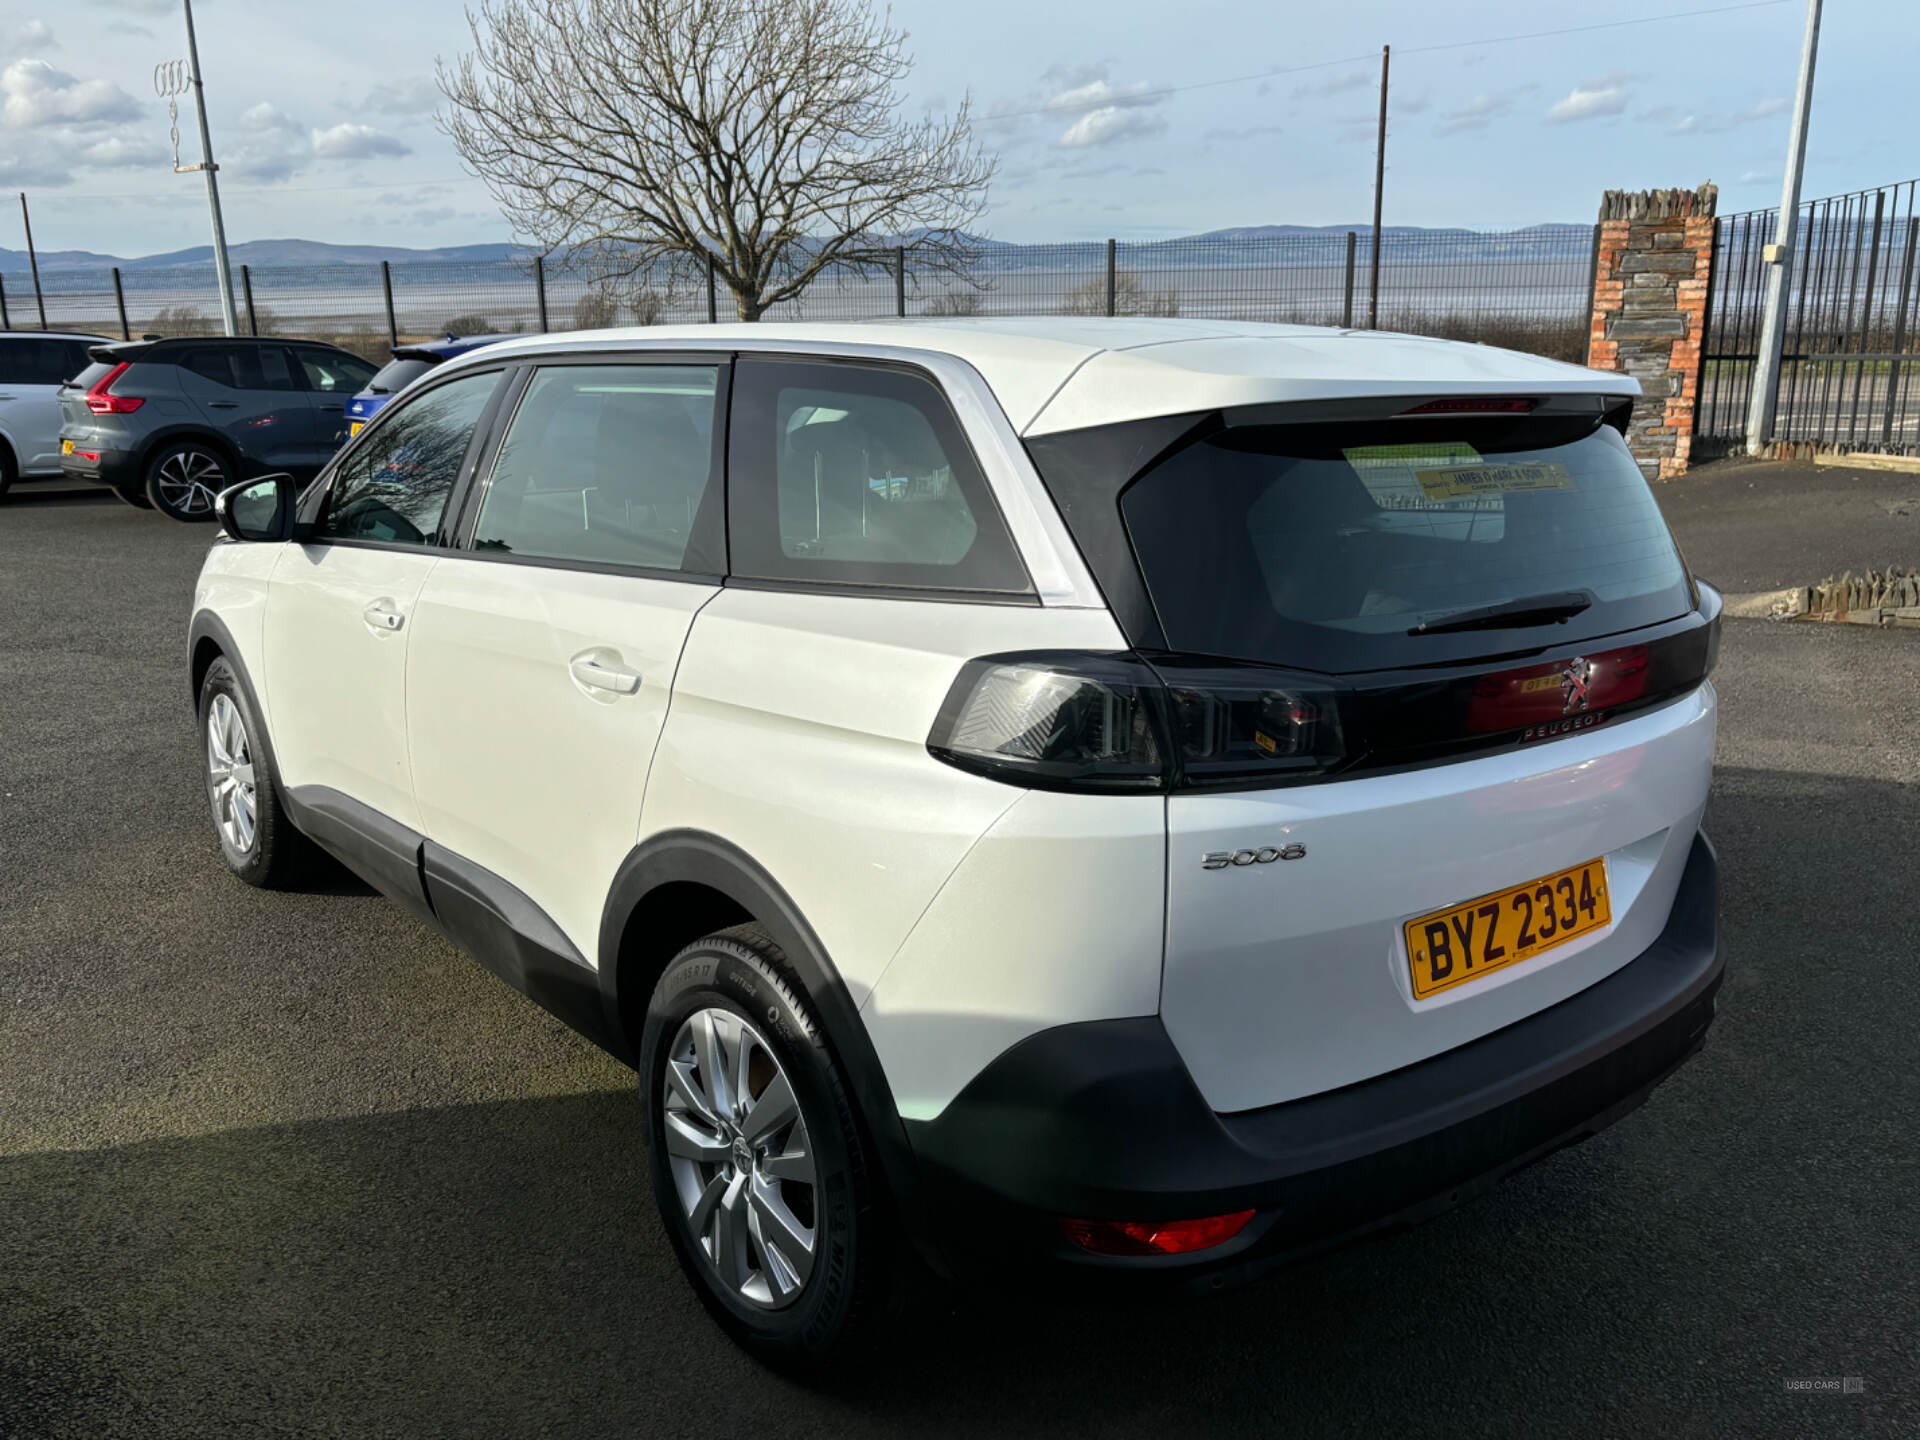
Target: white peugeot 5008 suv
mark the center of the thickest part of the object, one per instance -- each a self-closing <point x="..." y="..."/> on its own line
<point x="1126" y="801"/>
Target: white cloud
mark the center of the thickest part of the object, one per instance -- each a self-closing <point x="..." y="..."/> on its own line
<point x="1480" y="111"/>
<point x="348" y="141"/>
<point x="142" y="7"/>
<point x="118" y="152"/>
<point x="272" y="145"/>
<point x="1108" y="113"/>
<point x="1765" y="108"/>
<point x="1109" y="124"/>
<point x="38" y="94"/>
<point x="34" y="35"/>
<point x="1101" y="94"/>
<point x="1597" y="97"/>
<point x="416" y="95"/>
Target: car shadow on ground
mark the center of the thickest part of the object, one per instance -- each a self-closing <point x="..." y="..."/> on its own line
<point x="26" y="494"/>
<point x="498" y="1268"/>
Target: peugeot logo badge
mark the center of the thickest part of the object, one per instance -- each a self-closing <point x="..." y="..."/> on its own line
<point x="1574" y="681"/>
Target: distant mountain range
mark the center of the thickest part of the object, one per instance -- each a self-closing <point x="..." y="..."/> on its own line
<point x="265" y="253"/>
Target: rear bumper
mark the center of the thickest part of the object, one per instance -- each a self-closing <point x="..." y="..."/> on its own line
<point x="114" y="467"/>
<point x="1102" y="1121"/>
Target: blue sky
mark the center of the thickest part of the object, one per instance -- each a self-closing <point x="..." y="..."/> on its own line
<point x="1110" y="119"/>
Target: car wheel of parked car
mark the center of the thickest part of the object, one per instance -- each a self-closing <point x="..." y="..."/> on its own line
<point x="135" y="497"/>
<point x="259" y="842"/>
<point x="761" y="1173"/>
<point x="183" y="479"/>
<point x="9" y="472"/>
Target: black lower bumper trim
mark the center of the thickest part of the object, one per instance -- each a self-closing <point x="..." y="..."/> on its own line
<point x="1102" y="1120"/>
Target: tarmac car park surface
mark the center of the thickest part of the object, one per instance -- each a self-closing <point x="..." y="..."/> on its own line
<point x="290" y="1164"/>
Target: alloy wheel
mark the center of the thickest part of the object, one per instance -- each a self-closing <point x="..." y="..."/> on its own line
<point x="230" y="774"/>
<point x="740" y="1159"/>
<point x="188" y="480"/>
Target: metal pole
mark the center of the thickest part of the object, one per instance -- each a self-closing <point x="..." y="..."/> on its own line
<point x="220" y="265"/>
<point x="713" y="303"/>
<point x="33" y="260"/>
<point x="900" y="281"/>
<point x="120" y="304"/>
<point x="540" y="288"/>
<point x="1779" y="255"/>
<point x="1346" y="310"/>
<point x="1900" y="327"/>
<point x="246" y="287"/>
<point x="1113" y="276"/>
<point x="6" y="320"/>
<point x="386" y="289"/>
<point x="1379" y="182"/>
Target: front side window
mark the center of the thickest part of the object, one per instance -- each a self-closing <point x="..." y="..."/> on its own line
<point x="607" y="464"/>
<point x="393" y="486"/>
<point x="858" y="475"/>
<point x="333" y="373"/>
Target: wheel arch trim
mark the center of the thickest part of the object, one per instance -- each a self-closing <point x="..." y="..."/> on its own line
<point x="688" y="855"/>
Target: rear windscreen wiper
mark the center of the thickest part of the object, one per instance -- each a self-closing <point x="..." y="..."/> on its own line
<point x="1512" y="614"/>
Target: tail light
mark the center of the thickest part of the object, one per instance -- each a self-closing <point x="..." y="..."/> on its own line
<point x="102" y="401"/>
<point x="1137" y="1237"/>
<point x="1070" y="721"/>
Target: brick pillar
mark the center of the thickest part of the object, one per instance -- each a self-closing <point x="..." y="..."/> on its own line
<point x="1649" y="303"/>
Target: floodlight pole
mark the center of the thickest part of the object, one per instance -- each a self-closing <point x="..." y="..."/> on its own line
<point x="1379" y="184"/>
<point x="221" y="268"/>
<point x="1779" y="257"/>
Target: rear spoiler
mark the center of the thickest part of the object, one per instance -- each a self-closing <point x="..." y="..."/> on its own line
<point x="120" y="351"/>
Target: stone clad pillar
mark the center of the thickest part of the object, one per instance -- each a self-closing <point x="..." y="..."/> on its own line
<point x="1649" y="305"/>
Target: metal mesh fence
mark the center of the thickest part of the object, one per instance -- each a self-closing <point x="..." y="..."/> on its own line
<point x="1529" y="289"/>
<point x="1850" y="355"/>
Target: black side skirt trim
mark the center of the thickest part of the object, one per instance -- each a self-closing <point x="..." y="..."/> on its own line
<point x="475" y="909"/>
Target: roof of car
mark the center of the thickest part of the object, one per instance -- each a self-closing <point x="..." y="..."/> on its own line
<point x="1066" y="372"/>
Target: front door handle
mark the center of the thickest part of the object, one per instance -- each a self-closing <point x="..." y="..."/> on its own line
<point x="382" y="618"/>
<point x="600" y="674"/>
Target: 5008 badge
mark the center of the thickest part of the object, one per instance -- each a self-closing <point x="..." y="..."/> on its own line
<point x="1265" y="855"/>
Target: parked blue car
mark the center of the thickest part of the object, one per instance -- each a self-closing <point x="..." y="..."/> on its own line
<point x="409" y="363"/>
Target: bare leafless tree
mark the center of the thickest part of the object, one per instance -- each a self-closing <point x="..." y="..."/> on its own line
<point x="764" y="136"/>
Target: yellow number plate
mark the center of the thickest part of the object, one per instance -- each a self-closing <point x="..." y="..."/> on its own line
<point x="1453" y="947"/>
<point x="355" y="427"/>
<point x="66" y="447"/>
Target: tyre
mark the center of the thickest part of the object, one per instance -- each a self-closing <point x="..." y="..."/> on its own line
<point x="134" y="497"/>
<point x="9" y="472"/>
<point x="257" y="840"/>
<point x="183" y="478"/>
<point x="762" y="1175"/>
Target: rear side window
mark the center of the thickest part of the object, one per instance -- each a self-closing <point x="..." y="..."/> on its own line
<point x="25" y="361"/>
<point x="240" y="367"/>
<point x="396" y="374"/>
<point x="1336" y="548"/>
<point x="608" y="464"/>
<point x="857" y="475"/>
<point x="393" y="486"/>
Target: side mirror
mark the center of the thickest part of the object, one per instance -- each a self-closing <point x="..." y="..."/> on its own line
<point x="258" y="509"/>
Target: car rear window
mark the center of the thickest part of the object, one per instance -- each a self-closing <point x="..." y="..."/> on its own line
<point x="1329" y="547"/>
<point x="395" y="374"/>
<point x="95" y="372"/>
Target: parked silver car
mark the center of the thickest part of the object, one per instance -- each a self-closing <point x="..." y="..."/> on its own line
<point x="32" y="369"/>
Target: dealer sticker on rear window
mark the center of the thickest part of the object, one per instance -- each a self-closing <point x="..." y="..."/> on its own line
<point x="1460" y="482"/>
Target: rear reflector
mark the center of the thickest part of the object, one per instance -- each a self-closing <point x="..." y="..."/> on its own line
<point x="1136" y="1237"/>
<point x="1476" y="405"/>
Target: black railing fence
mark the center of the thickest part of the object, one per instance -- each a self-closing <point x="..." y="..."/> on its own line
<point x="1527" y="289"/>
<point x="1850" y="356"/>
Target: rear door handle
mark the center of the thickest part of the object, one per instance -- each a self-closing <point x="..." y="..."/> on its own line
<point x="223" y="404"/>
<point x="603" y="675"/>
<point x="382" y="618"/>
